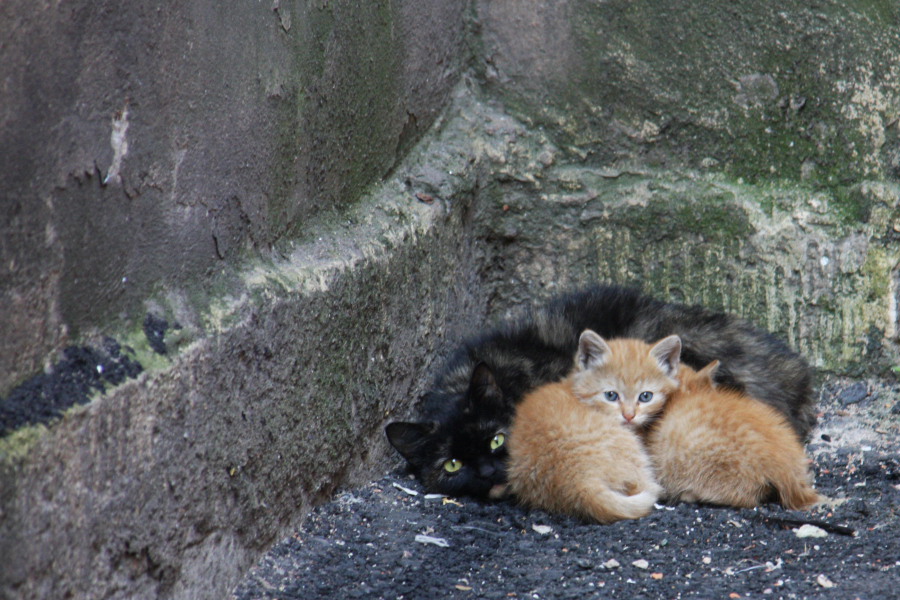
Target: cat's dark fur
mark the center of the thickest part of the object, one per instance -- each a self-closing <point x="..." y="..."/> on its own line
<point x="474" y="397"/>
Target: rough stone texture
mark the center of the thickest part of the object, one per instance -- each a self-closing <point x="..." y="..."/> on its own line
<point x="782" y="255"/>
<point x="779" y="256"/>
<point x="172" y="484"/>
<point x="795" y="91"/>
<point x="743" y="157"/>
<point x="190" y="134"/>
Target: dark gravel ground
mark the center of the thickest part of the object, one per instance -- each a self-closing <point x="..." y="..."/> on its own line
<point x="367" y="542"/>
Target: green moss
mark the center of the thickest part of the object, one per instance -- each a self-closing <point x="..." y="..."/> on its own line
<point x="881" y="12"/>
<point x="16" y="446"/>
<point x="851" y="205"/>
<point x="675" y="216"/>
<point x="800" y="134"/>
<point x="877" y="270"/>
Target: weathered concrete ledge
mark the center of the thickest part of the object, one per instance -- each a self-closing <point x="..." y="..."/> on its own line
<point x="170" y="485"/>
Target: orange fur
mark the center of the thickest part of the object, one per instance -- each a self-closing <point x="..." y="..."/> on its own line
<point x="724" y="447"/>
<point x="566" y="457"/>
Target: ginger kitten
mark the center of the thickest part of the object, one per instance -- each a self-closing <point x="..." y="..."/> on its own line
<point x="706" y="444"/>
<point x="567" y="455"/>
<point x="724" y="447"/>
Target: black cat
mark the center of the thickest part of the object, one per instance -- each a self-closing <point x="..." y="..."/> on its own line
<point x="459" y="448"/>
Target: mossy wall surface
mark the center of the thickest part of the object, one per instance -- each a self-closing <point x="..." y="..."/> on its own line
<point x="794" y="91"/>
<point x="817" y="267"/>
<point x="743" y="156"/>
<point x="798" y="270"/>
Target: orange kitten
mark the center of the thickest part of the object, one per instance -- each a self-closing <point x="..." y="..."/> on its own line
<point x="724" y="447"/>
<point x="706" y="444"/>
<point x="568" y="456"/>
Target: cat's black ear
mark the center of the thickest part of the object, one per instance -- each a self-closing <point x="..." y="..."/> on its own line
<point x="667" y="353"/>
<point x="593" y="351"/>
<point x="483" y="385"/>
<point x="408" y="438"/>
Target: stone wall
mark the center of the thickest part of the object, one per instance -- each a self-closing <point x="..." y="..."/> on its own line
<point x="798" y="92"/>
<point x="742" y="156"/>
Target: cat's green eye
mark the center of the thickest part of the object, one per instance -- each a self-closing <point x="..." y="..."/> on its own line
<point x="452" y="465"/>
<point x="645" y="397"/>
<point x="611" y="396"/>
<point x="497" y="441"/>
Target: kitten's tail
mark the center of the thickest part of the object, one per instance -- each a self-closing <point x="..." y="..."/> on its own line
<point x="606" y="505"/>
<point x="794" y="489"/>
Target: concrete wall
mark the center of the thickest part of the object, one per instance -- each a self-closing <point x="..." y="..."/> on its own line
<point x="797" y="92"/>
<point x="745" y="157"/>
<point x="172" y="484"/>
<point x="262" y="176"/>
<point x="143" y="147"/>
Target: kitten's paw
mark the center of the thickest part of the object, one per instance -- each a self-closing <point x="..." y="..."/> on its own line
<point x="824" y="501"/>
<point x="499" y="491"/>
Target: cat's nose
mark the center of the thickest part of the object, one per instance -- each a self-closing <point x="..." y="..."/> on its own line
<point x="486" y="469"/>
<point x="628" y="417"/>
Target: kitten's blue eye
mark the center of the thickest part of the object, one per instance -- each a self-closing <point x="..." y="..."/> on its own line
<point x="453" y="465"/>
<point x="611" y="396"/>
<point x="645" y="397"/>
<point x="497" y="441"/>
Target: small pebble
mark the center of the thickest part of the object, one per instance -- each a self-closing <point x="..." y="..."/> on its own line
<point x="808" y="530"/>
<point x="434" y="541"/>
<point x="641" y="563"/>
<point x="584" y="563"/>
<point x="853" y="394"/>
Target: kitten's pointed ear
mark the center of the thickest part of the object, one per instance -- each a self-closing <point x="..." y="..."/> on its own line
<point x="483" y="385"/>
<point x="593" y="351"/>
<point x="709" y="371"/>
<point x="667" y="353"/>
<point x="408" y="438"/>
